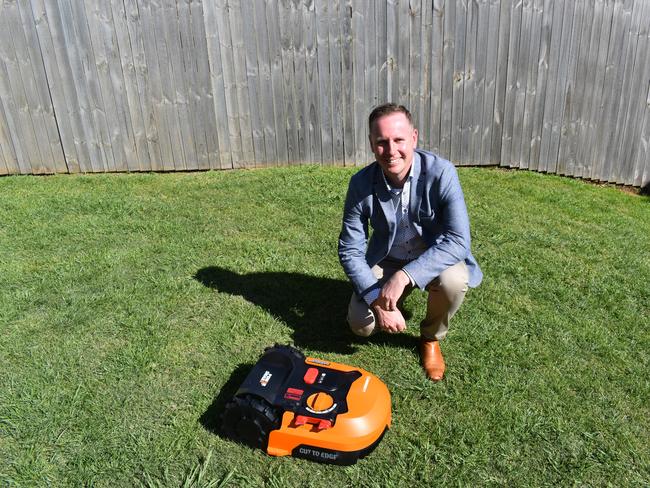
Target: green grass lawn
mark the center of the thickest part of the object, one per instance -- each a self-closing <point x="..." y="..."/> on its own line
<point x="132" y="305"/>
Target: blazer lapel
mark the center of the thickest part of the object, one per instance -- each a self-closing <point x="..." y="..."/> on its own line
<point x="417" y="184"/>
<point x="386" y="202"/>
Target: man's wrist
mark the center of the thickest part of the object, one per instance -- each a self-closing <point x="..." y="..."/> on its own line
<point x="410" y="278"/>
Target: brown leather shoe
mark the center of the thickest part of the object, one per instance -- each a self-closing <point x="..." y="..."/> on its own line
<point x="431" y="357"/>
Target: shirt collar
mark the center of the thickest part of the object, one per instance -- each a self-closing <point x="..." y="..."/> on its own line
<point x="409" y="177"/>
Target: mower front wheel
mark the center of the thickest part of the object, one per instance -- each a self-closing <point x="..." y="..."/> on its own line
<point x="249" y="419"/>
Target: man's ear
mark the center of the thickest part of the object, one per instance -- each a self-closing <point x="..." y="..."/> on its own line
<point x="415" y="137"/>
<point x="370" y="141"/>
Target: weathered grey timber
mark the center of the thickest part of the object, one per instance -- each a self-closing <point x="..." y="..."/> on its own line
<point x="559" y="86"/>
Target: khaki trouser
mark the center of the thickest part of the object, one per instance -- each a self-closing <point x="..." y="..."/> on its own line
<point x="446" y="293"/>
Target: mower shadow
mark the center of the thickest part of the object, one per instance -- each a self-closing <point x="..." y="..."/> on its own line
<point x="211" y="418"/>
<point x="314" y="307"/>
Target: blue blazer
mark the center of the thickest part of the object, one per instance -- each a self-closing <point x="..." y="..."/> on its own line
<point x="437" y="209"/>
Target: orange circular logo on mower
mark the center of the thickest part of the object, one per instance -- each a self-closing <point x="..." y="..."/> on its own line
<point x="320" y="402"/>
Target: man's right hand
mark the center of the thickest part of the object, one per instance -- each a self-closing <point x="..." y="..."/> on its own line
<point x="388" y="321"/>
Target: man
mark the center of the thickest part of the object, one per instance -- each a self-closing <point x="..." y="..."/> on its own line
<point x="415" y="206"/>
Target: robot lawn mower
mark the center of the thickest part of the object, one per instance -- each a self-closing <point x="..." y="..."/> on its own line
<point x="294" y="405"/>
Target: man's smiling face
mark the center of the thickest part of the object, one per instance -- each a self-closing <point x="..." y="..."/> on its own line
<point x="393" y="140"/>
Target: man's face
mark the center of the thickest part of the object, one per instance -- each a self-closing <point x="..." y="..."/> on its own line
<point x="393" y="140"/>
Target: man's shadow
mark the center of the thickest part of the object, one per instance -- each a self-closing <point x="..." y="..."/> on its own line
<point x="314" y="307"/>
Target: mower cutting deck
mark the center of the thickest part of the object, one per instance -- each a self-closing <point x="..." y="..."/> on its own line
<point x="293" y="405"/>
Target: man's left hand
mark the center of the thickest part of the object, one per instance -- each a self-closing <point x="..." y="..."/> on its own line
<point x="393" y="290"/>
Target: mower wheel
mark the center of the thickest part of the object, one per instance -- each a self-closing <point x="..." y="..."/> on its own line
<point x="249" y="419"/>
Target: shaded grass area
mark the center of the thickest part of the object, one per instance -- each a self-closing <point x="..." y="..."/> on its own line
<point x="131" y="306"/>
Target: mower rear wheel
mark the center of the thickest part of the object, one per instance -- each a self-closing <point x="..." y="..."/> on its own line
<point x="249" y="419"/>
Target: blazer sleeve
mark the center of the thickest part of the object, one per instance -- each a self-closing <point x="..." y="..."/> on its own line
<point x="352" y="243"/>
<point x="450" y="226"/>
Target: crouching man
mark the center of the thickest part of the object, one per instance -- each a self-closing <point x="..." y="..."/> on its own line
<point x="413" y="201"/>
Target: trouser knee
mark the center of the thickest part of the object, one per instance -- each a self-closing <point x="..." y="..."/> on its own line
<point x="360" y="318"/>
<point x="452" y="282"/>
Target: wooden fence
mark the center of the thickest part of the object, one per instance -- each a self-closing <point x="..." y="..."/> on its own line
<point x="560" y="86"/>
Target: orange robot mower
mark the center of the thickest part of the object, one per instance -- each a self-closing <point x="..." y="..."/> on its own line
<point x="294" y="405"/>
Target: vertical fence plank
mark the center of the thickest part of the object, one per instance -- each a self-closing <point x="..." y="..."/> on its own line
<point x="565" y="139"/>
<point x="229" y="82"/>
<point x="29" y="63"/>
<point x="630" y="99"/>
<point x="173" y="102"/>
<point x="62" y="129"/>
<point x="489" y="94"/>
<point x="300" y="73"/>
<point x="541" y="85"/>
<point x="392" y="33"/>
<point x="425" y="90"/>
<point x="531" y="94"/>
<point x="74" y="106"/>
<point x="270" y="22"/>
<point x="324" y="81"/>
<point x="336" y="74"/>
<point x="403" y="43"/>
<point x="612" y="88"/>
<point x="513" y="81"/>
<point x="458" y="80"/>
<point x="501" y="80"/>
<point x="575" y="88"/>
<point x="127" y="63"/>
<point x="112" y="83"/>
<point x="122" y="80"/>
<point x="448" y="77"/>
<point x="136" y="29"/>
<point x="347" y="93"/>
<point x="546" y="159"/>
<point x="214" y="40"/>
<point x="8" y="159"/>
<point x="256" y="25"/>
<point x="380" y="40"/>
<point x="642" y="163"/>
<point x="359" y="8"/>
<point x="587" y="80"/>
<point x="470" y="99"/>
<point x="558" y="111"/>
<point x="414" y="64"/>
<point x="16" y="92"/>
<point x="254" y="95"/>
<point x="42" y="102"/>
<point x="604" y="12"/>
<point x="90" y="64"/>
<point x="153" y="83"/>
<point x="286" y="40"/>
<point x="196" y="154"/>
<point x="436" y="70"/>
<point x="482" y="36"/>
<point x="624" y="68"/>
<point x="313" y="113"/>
<point x="206" y="120"/>
<point x="526" y="72"/>
<point x="639" y="103"/>
<point x="119" y="131"/>
<point x="371" y="79"/>
<point x="370" y="63"/>
<point x="617" y="111"/>
<point x="241" y="83"/>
